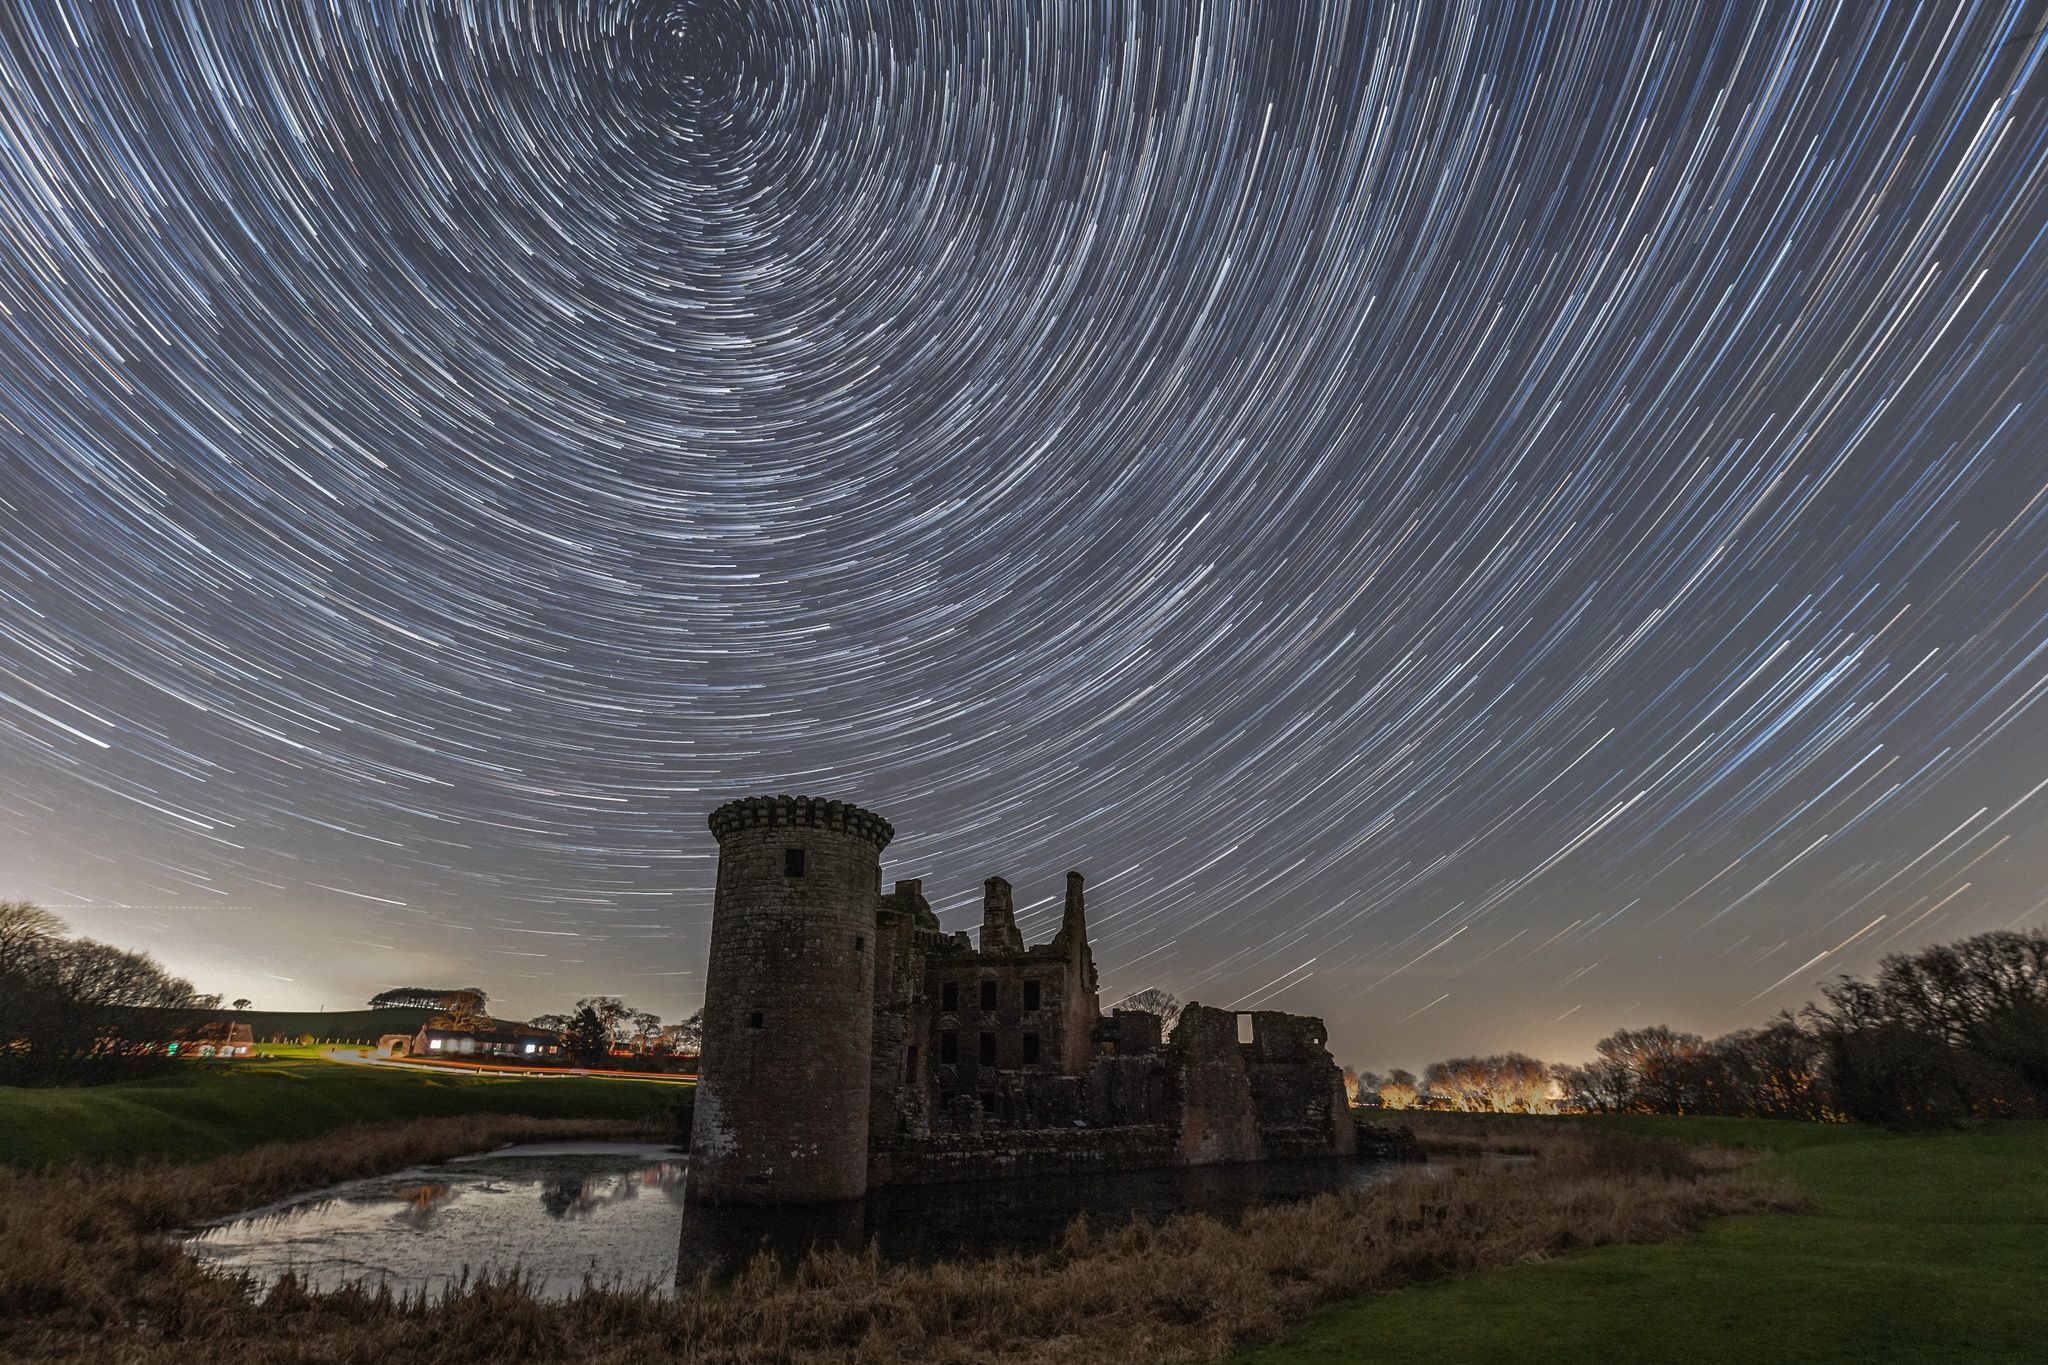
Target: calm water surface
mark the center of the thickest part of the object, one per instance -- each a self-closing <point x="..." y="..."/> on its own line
<point x="567" y="1214"/>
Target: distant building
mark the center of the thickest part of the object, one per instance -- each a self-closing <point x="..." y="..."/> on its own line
<point x="490" y="1038"/>
<point x="849" y="1042"/>
<point x="219" y="1038"/>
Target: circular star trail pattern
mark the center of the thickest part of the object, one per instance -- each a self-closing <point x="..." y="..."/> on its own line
<point x="1483" y="522"/>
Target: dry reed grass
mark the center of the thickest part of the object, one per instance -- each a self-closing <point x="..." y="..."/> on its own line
<point x="85" y="1277"/>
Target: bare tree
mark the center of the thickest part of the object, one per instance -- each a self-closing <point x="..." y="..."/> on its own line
<point x="551" y="1023"/>
<point x="1154" y="1000"/>
<point x="645" y="1027"/>
<point x="686" y="1038"/>
<point x="74" y="1010"/>
<point x="1665" y="1068"/>
<point x="1399" y="1090"/>
<point x="1500" y="1084"/>
<point x="1954" y="1030"/>
<point x="612" y="1015"/>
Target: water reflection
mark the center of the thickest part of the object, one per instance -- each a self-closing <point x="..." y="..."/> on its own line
<point x="564" y="1215"/>
<point x="581" y="1196"/>
<point x="930" y="1223"/>
<point x="558" y="1215"/>
<point x="421" y="1201"/>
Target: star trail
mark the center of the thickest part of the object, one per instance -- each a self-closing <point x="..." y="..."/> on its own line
<point x="1485" y="522"/>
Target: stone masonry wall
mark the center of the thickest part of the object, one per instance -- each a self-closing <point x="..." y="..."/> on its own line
<point x="782" y="1108"/>
<point x="945" y="1158"/>
<point x="1208" y="1078"/>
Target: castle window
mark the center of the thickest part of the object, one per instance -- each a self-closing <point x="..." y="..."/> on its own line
<point x="910" y="1063"/>
<point x="988" y="1101"/>
<point x="988" y="1049"/>
<point x="792" y="862"/>
<point x="1031" y="990"/>
<point x="988" y="995"/>
<point x="1247" y="1029"/>
<point x="1030" y="1049"/>
<point x="949" y="1047"/>
<point x="754" y="1019"/>
<point x="949" y="996"/>
<point x="860" y="943"/>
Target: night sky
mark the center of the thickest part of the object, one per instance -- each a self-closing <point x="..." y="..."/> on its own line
<point x="1484" y="522"/>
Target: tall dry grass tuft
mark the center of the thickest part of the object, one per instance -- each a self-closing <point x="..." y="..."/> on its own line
<point x="81" y="1278"/>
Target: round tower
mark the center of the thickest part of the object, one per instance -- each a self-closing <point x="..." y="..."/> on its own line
<point x="782" y="1099"/>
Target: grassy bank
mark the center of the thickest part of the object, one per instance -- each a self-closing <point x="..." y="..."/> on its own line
<point x="84" y="1275"/>
<point x="209" y="1109"/>
<point x="1919" y="1247"/>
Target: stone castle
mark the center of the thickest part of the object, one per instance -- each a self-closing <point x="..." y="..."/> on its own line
<point x="850" y="1043"/>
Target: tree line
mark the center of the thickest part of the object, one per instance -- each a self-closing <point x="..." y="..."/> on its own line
<point x="71" y="1009"/>
<point x="602" y="1026"/>
<point x="1953" y="1031"/>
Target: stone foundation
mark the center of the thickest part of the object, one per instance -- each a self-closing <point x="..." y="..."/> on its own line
<point x="1017" y="1153"/>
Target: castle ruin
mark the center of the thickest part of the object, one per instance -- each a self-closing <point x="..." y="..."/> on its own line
<point x="850" y="1043"/>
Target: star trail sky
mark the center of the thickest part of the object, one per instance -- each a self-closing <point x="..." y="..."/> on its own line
<point x="1486" y="522"/>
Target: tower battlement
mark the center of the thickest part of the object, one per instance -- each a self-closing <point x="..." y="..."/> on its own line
<point x="755" y="812"/>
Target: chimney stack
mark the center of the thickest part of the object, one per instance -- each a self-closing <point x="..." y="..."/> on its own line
<point x="999" y="919"/>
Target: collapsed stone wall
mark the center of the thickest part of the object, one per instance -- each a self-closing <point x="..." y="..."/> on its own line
<point x="1205" y="1098"/>
<point x="1216" y="1115"/>
<point x="1280" y="1095"/>
<point x="1297" y="1088"/>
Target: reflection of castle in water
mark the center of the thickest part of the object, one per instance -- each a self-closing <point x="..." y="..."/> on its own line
<point x="925" y="1224"/>
<point x="850" y="1044"/>
<point x="579" y="1196"/>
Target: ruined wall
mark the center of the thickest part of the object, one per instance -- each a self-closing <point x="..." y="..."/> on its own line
<point x="1206" y="1072"/>
<point x="1129" y="1090"/>
<point x="782" y="1103"/>
<point x="945" y="1158"/>
<point x="1036" y="1006"/>
<point x="1080" y="1006"/>
<point x="1132" y="1033"/>
<point x="1297" y="1088"/>
<point x="895" y="1059"/>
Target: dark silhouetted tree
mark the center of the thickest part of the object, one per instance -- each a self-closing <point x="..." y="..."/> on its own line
<point x="74" y="1011"/>
<point x="1952" y="1031"/>
<point x="1399" y="1090"/>
<point x="1154" y="1000"/>
<point x="586" y="1038"/>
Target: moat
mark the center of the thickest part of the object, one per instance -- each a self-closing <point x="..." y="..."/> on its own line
<point x="613" y="1213"/>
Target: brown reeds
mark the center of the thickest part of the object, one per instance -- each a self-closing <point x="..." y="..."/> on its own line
<point x="86" y="1277"/>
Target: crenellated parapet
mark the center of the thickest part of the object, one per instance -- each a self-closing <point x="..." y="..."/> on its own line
<point x="756" y="812"/>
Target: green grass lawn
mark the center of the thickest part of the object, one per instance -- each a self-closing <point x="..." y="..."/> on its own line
<point x="206" y="1109"/>
<point x="1921" y="1247"/>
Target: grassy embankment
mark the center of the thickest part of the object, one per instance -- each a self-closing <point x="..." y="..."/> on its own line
<point x="209" y="1109"/>
<point x="1919" y="1247"/>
